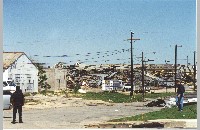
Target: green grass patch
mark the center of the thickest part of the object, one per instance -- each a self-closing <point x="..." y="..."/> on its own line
<point x="108" y="97"/>
<point x="189" y="112"/>
<point x="116" y="97"/>
<point x="32" y="100"/>
<point x="46" y="92"/>
<point x="27" y="94"/>
<point x="160" y="95"/>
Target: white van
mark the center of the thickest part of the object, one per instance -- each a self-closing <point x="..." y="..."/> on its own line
<point x="110" y="85"/>
<point x="6" y="100"/>
<point x="9" y="85"/>
<point x="127" y="87"/>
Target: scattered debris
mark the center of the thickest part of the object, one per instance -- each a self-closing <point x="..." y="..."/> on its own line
<point x="158" y="103"/>
<point x="171" y="102"/>
<point x="91" y="104"/>
<point x="139" y="124"/>
<point x="81" y="91"/>
<point x="149" y="125"/>
<point x="192" y="100"/>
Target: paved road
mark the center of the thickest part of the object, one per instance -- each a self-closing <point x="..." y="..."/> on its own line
<point x="73" y="116"/>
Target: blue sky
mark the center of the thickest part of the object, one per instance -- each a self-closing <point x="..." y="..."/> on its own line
<point x="96" y="31"/>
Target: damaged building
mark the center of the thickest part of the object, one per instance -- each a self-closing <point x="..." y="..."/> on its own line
<point x="19" y="68"/>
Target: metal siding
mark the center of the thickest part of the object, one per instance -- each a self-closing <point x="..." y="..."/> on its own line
<point x="23" y="67"/>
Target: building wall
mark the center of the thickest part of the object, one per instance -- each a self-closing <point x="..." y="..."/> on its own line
<point x="50" y="78"/>
<point x="24" y="73"/>
<point x="57" y="78"/>
<point x="5" y="75"/>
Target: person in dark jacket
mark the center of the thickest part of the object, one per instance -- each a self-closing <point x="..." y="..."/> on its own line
<point x="180" y="95"/>
<point x="17" y="100"/>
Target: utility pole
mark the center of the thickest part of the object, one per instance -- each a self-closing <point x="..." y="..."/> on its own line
<point x="143" y="87"/>
<point x="142" y="76"/>
<point x="194" y="71"/>
<point x="175" y="66"/>
<point x="167" y="71"/>
<point x="131" y="93"/>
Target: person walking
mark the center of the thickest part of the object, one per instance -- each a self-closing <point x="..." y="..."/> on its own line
<point x="17" y="100"/>
<point x="180" y="95"/>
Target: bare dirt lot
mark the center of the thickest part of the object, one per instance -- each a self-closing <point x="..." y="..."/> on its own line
<point x="60" y="112"/>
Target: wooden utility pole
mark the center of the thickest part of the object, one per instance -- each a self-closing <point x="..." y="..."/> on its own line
<point x="143" y="67"/>
<point x="194" y="71"/>
<point x="175" y="66"/>
<point x="143" y="77"/>
<point x="132" y="39"/>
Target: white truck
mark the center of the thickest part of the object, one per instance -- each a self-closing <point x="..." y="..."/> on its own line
<point x="6" y="100"/>
<point x="127" y="87"/>
<point x="136" y="88"/>
<point x="111" y="85"/>
<point x="9" y="86"/>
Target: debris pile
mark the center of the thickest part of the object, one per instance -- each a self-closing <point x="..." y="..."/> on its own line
<point x="81" y="91"/>
<point x="157" y="103"/>
<point x="191" y="101"/>
<point x="171" y="102"/>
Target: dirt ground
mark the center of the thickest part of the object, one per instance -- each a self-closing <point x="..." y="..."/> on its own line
<point x="60" y="112"/>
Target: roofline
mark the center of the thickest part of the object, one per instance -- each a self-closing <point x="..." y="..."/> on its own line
<point x="13" y="52"/>
<point x="18" y="58"/>
<point x="4" y="68"/>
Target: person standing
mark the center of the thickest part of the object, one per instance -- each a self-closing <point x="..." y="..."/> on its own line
<point x="17" y="100"/>
<point x="180" y="95"/>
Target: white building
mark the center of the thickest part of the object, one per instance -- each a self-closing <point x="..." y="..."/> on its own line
<point x="19" y="68"/>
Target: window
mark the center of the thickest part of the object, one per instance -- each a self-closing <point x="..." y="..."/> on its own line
<point x="6" y="92"/>
<point x="5" y="84"/>
<point x="11" y="83"/>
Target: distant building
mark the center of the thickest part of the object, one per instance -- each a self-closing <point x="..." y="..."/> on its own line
<point x="20" y="69"/>
<point x="57" y="78"/>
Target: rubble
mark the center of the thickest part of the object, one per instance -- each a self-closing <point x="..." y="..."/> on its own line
<point x="192" y="100"/>
<point x="170" y="103"/>
<point x="158" y="124"/>
<point x="158" y="103"/>
<point x="81" y="91"/>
